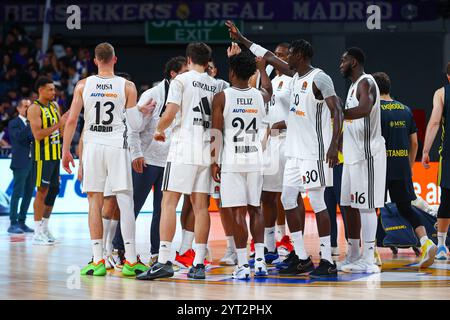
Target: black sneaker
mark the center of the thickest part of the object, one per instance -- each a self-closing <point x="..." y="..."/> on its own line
<point x="285" y="263"/>
<point x="298" y="266"/>
<point x="326" y="269"/>
<point x="197" y="272"/>
<point x="158" y="270"/>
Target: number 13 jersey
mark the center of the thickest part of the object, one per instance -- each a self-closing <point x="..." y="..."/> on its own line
<point x="243" y="113"/>
<point x="104" y="103"/>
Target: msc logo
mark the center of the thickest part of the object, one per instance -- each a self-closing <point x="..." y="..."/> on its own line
<point x="304" y="85"/>
<point x="237" y="110"/>
<point x="397" y="124"/>
<point x="106" y="86"/>
<point x="280" y="85"/>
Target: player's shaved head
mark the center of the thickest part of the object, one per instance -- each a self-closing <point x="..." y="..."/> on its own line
<point x="104" y="52"/>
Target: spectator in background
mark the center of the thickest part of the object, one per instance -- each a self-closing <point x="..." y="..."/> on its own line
<point x="21" y="165"/>
<point x="74" y="77"/>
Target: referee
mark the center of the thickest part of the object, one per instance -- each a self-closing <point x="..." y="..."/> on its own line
<point x="46" y="125"/>
<point x="400" y="133"/>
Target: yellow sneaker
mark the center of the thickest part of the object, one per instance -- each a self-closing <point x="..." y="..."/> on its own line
<point x="377" y="258"/>
<point x="428" y="250"/>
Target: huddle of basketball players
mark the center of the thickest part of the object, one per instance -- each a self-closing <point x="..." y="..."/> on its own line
<point x="257" y="154"/>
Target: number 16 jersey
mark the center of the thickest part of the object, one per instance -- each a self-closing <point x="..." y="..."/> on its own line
<point x="104" y="111"/>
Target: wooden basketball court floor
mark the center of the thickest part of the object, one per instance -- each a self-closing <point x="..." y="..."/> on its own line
<point x="52" y="272"/>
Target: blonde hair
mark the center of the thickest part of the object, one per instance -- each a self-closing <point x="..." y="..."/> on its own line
<point x="104" y="52"/>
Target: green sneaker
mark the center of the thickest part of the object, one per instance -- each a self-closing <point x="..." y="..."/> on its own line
<point x="132" y="270"/>
<point x="94" y="269"/>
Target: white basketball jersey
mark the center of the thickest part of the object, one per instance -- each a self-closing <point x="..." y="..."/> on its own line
<point x="309" y="128"/>
<point x="362" y="137"/>
<point x="278" y="106"/>
<point x="193" y="92"/>
<point x="243" y="113"/>
<point x="104" y="111"/>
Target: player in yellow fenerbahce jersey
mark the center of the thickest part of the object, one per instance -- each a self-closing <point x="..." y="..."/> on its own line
<point x="46" y="124"/>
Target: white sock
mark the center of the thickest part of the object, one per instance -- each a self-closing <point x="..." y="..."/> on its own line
<point x="106" y="223"/>
<point x="423" y="240"/>
<point x="325" y="248"/>
<point x="269" y="239"/>
<point x="259" y="250"/>
<point x="231" y="245"/>
<point x="242" y="256"/>
<point x="353" y="249"/>
<point x="281" y="231"/>
<point x="97" y="249"/>
<point x="441" y="238"/>
<point x="45" y="224"/>
<point x="299" y="245"/>
<point x="111" y="234"/>
<point x="130" y="250"/>
<point x="200" y="253"/>
<point x="127" y="223"/>
<point x="186" y="243"/>
<point x="369" y="232"/>
<point x="37" y="226"/>
<point x="164" y="251"/>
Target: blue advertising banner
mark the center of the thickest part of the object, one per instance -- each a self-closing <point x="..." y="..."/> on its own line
<point x="138" y="11"/>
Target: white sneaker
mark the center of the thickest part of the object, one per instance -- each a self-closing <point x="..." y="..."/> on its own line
<point x="41" y="239"/>
<point x="110" y="263"/>
<point x="229" y="259"/>
<point x="241" y="273"/>
<point x="49" y="235"/>
<point x="361" y="266"/>
<point x="348" y="260"/>
<point x="260" y="268"/>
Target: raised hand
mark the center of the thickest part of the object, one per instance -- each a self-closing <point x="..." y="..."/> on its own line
<point x="234" y="49"/>
<point x="260" y="63"/>
<point x="235" y="34"/>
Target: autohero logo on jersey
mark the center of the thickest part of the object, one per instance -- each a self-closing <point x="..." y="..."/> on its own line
<point x="104" y="95"/>
<point x="298" y="112"/>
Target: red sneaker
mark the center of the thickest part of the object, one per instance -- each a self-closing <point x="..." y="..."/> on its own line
<point x="185" y="260"/>
<point x="284" y="246"/>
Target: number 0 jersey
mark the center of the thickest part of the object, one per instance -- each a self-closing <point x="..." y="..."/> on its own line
<point x="309" y="130"/>
<point x="104" y="111"/>
<point x="243" y="113"/>
<point x="193" y="92"/>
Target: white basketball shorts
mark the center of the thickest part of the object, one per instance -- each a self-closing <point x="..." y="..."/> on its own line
<point x="238" y="189"/>
<point x="307" y="174"/>
<point x="187" y="178"/>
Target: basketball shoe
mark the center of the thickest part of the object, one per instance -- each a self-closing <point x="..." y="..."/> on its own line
<point x="197" y="272"/>
<point x="260" y="268"/>
<point x="284" y="246"/>
<point x="242" y="272"/>
<point x="94" y="269"/>
<point x="110" y="263"/>
<point x="361" y="266"/>
<point x="229" y="258"/>
<point x="428" y="250"/>
<point x="40" y="239"/>
<point x="157" y="271"/>
<point x="134" y="269"/>
<point x="441" y="253"/>
<point x="297" y="266"/>
<point x="326" y="269"/>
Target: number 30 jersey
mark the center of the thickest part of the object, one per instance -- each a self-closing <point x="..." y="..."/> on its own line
<point x="243" y="113"/>
<point x="104" y="103"/>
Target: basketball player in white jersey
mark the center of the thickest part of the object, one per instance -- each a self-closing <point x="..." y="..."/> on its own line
<point x="188" y="164"/>
<point x="364" y="173"/>
<point x="309" y="134"/>
<point x="105" y="98"/>
<point x="274" y="154"/>
<point x="238" y="114"/>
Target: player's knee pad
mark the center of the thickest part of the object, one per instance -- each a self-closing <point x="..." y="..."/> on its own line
<point x="289" y="197"/>
<point x="317" y="199"/>
<point x="52" y="193"/>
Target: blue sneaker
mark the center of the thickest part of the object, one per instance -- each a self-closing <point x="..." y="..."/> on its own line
<point x="25" y="228"/>
<point x="269" y="257"/>
<point x="15" y="229"/>
<point x="441" y="253"/>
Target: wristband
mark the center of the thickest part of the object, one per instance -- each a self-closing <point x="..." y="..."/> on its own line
<point x="257" y="50"/>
